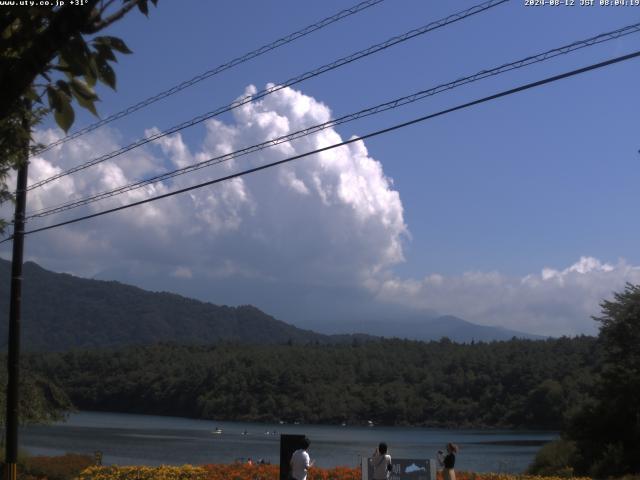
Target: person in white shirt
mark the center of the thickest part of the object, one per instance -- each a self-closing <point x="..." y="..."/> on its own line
<point x="381" y="462"/>
<point x="300" y="461"/>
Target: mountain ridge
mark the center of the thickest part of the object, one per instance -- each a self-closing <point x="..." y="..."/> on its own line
<point x="107" y="313"/>
<point x="425" y="327"/>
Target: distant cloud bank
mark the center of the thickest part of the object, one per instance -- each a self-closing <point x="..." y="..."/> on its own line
<point x="553" y="302"/>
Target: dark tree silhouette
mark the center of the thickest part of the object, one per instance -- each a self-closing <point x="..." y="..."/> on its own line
<point x="607" y="429"/>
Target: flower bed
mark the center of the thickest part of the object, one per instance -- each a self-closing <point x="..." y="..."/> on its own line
<point x="259" y="472"/>
<point x="211" y="472"/>
<point x="505" y="476"/>
<point x="185" y="472"/>
<point x="242" y="471"/>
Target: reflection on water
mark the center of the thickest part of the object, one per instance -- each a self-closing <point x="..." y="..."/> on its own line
<point x="151" y="440"/>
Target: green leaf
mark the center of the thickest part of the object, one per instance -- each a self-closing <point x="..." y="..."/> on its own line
<point x="75" y="70"/>
<point x="104" y="52"/>
<point x="102" y="41"/>
<point x="107" y="75"/>
<point x="143" y="7"/>
<point x="117" y="44"/>
<point x="91" y="71"/>
<point x="85" y="103"/>
<point x="84" y="95"/>
<point x="75" y="55"/>
<point x="11" y="29"/>
<point x="64" y="86"/>
<point x="83" y="90"/>
<point x="65" y="115"/>
<point x="55" y="98"/>
<point x="63" y="67"/>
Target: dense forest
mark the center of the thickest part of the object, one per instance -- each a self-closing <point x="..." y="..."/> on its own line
<point x="518" y="383"/>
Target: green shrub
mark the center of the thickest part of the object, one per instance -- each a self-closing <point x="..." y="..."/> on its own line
<point x="553" y="459"/>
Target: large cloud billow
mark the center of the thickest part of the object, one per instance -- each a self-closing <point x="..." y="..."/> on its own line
<point x="329" y="219"/>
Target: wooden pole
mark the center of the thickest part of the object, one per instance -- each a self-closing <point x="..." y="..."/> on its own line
<point x="13" y="358"/>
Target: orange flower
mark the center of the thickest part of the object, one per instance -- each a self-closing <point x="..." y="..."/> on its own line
<point x="242" y="471"/>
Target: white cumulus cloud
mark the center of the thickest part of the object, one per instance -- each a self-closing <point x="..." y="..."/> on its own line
<point x="327" y="219"/>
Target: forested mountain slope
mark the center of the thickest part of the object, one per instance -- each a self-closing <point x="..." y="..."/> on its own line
<point x="61" y="311"/>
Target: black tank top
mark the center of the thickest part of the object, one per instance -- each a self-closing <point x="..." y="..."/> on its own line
<point x="449" y="461"/>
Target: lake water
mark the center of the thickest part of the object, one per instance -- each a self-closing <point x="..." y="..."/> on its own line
<point x="151" y="440"/>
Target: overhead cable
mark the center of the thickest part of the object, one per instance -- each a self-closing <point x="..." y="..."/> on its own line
<point x="214" y="71"/>
<point x="527" y="61"/>
<point x="504" y="93"/>
<point x="295" y="80"/>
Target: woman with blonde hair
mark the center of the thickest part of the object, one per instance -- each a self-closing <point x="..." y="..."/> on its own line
<point x="448" y="461"/>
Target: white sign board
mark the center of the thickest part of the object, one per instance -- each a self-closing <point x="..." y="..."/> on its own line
<point x="403" y="469"/>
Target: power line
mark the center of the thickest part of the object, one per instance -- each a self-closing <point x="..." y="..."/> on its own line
<point x="293" y="81"/>
<point x="530" y="60"/>
<point x="347" y="142"/>
<point x="219" y="69"/>
<point x="263" y="93"/>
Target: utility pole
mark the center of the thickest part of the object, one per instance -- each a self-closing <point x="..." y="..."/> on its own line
<point x="13" y="359"/>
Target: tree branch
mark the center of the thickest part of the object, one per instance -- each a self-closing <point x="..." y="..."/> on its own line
<point x="105" y="22"/>
<point x="105" y="5"/>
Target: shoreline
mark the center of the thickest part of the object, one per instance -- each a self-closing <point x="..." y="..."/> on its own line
<point x="429" y="426"/>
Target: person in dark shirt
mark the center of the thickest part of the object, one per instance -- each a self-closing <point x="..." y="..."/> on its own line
<point x="448" y="462"/>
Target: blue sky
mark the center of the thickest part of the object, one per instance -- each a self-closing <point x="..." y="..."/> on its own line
<point x="526" y="181"/>
<point x="536" y="180"/>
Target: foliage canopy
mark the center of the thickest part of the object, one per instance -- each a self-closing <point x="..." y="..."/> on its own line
<point x="606" y="429"/>
<point x="393" y="382"/>
<point x="45" y="52"/>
